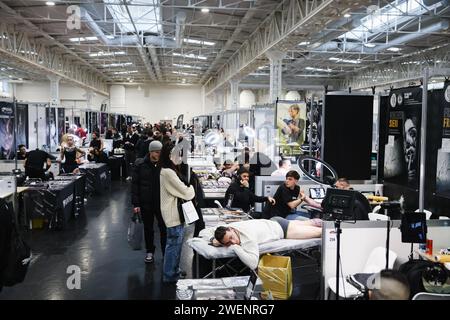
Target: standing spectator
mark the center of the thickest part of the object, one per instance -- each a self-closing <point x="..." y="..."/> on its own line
<point x="22" y="152"/>
<point x="284" y="167"/>
<point x="34" y="164"/>
<point x="143" y="143"/>
<point x="130" y="140"/>
<point x="145" y="192"/>
<point x="172" y="188"/>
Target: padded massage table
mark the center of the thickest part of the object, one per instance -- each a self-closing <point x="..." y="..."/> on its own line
<point x="203" y="248"/>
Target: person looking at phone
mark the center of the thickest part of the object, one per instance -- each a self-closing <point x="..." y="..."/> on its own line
<point x="239" y="195"/>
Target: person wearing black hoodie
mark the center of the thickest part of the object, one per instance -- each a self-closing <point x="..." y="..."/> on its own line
<point x="143" y="143"/>
<point x="239" y="195"/>
<point x="145" y="191"/>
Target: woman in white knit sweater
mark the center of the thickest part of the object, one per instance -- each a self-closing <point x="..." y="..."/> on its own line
<point x="172" y="188"/>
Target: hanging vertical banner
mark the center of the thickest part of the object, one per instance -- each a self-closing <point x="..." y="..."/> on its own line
<point x="443" y="160"/>
<point x="52" y="134"/>
<point x="291" y="126"/>
<point x="313" y="125"/>
<point x="61" y="123"/>
<point x="103" y="122"/>
<point x="6" y="130"/>
<point x="22" y="124"/>
<point x="180" y="121"/>
<point x="401" y="162"/>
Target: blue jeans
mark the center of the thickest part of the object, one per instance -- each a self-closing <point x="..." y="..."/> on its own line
<point x="171" y="266"/>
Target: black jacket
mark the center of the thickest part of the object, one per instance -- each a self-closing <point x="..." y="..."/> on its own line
<point x="133" y="139"/>
<point x="145" y="192"/>
<point x="142" y="147"/>
<point x="242" y="197"/>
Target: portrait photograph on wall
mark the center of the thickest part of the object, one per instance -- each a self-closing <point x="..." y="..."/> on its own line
<point x="291" y="126"/>
<point x="401" y="162"/>
<point x="6" y="131"/>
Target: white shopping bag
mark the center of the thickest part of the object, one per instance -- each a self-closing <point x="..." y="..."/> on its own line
<point x="189" y="212"/>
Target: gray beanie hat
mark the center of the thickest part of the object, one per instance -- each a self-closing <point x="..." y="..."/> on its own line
<point x="155" y="146"/>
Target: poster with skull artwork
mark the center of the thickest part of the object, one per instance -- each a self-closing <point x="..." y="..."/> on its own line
<point x="401" y="162"/>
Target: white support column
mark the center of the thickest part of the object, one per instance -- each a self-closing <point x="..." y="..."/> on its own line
<point x="219" y="103"/>
<point x="276" y="62"/>
<point x="54" y="91"/>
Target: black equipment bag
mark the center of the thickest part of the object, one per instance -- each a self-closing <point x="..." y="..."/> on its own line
<point x="413" y="270"/>
<point x="17" y="255"/>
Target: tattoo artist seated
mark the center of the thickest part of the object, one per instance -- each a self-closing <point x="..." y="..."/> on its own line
<point x="341" y="183"/>
<point x="244" y="237"/>
<point x="287" y="198"/>
<point x="242" y="196"/>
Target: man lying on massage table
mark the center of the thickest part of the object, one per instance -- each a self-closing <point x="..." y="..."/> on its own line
<point x="245" y="236"/>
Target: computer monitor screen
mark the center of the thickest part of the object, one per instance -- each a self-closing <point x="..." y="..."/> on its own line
<point x="316" y="193"/>
<point x="414" y="227"/>
<point x="340" y="204"/>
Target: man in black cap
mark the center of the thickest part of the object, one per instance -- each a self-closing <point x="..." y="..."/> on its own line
<point x="146" y="197"/>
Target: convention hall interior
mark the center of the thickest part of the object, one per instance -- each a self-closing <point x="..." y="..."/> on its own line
<point x="225" y="150"/>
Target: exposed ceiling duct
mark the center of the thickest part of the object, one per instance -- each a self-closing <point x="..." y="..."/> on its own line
<point x="179" y="28"/>
<point x="358" y="47"/>
<point x="152" y="40"/>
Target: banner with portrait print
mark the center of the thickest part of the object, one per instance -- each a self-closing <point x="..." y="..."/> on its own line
<point x="402" y="150"/>
<point x="6" y="130"/>
<point x="291" y="126"/>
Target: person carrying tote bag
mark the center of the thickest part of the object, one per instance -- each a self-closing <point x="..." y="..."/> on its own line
<point x="172" y="188"/>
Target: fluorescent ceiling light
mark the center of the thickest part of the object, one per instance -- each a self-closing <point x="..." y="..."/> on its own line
<point x="81" y="39"/>
<point x="394" y="49"/>
<point x="146" y="15"/>
<point x="28" y="52"/>
<point x="185" y="73"/>
<point x="191" y="56"/>
<point x="345" y="60"/>
<point x="347" y="15"/>
<point x="117" y="64"/>
<point x="50" y="3"/>
<point x="262" y="67"/>
<point x="369" y="45"/>
<point x="318" y="69"/>
<point x="200" y="42"/>
<point x="110" y="37"/>
<point x="205" y="10"/>
<point x="304" y="43"/>
<point x="258" y="74"/>
<point x="126" y="72"/>
<point x="186" y="66"/>
<point x="107" y="54"/>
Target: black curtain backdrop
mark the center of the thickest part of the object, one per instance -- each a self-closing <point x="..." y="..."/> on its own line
<point x="348" y="121"/>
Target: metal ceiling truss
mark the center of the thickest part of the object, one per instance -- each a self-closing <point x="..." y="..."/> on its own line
<point x="292" y="21"/>
<point x="405" y="68"/>
<point x="36" y="56"/>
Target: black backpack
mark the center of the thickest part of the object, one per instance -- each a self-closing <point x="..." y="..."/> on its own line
<point x="413" y="270"/>
<point x="17" y="254"/>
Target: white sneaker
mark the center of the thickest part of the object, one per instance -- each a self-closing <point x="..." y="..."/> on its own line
<point x="129" y="178"/>
<point x="149" y="258"/>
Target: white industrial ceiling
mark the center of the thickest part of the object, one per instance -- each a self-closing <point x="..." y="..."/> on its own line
<point x="205" y="42"/>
